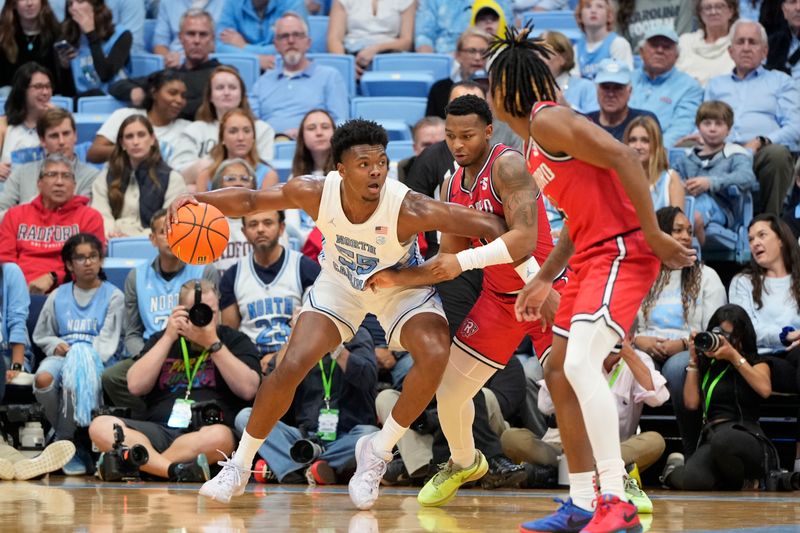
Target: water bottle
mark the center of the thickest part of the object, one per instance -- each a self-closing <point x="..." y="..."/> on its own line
<point x="31" y="436"/>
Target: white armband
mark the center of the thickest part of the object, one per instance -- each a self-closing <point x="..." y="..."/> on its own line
<point x="494" y="253"/>
<point x="528" y="269"/>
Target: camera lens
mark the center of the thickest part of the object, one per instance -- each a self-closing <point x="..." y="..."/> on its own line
<point x="305" y="451"/>
<point x="138" y="455"/>
<point x="200" y="315"/>
<point x="705" y="341"/>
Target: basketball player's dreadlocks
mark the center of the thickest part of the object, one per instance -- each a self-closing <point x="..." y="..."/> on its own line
<point x="518" y="70"/>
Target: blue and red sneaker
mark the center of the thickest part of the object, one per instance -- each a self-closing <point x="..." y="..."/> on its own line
<point x="613" y="516"/>
<point x="569" y="518"/>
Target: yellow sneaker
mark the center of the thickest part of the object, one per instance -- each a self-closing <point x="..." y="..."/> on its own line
<point x="637" y="496"/>
<point x="442" y="487"/>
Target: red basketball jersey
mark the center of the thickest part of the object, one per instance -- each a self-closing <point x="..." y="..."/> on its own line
<point x="482" y="196"/>
<point x="592" y="199"/>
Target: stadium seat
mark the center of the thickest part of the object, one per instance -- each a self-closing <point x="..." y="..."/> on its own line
<point x="132" y="248"/>
<point x="81" y="149"/>
<point x="674" y="155"/>
<point x="283" y="167"/>
<point x="143" y="64"/>
<point x="149" y="31"/>
<point x="396" y="83"/>
<point x="247" y="65"/>
<point x="438" y="65"/>
<point x="730" y="242"/>
<point x="405" y="108"/>
<point x="284" y="150"/>
<point x="399" y="150"/>
<point x="318" y="31"/>
<point x="64" y="102"/>
<point x="101" y="105"/>
<point x="87" y="125"/>
<point x="117" y="269"/>
<point x="560" y="20"/>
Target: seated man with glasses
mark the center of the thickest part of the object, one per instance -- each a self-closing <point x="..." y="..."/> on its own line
<point x="285" y="94"/>
<point x="33" y="234"/>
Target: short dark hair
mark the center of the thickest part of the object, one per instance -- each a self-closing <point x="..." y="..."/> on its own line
<point x="161" y="213"/>
<point x="354" y="132"/>
<point x="51" y="118"/>
<point x="155" y="81"/>
<point x="281" y="216"/>
<point x="469" y="104"/>
<point x="469" y="84"/>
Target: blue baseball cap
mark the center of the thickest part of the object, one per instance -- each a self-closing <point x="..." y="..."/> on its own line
<point x="612" y="71"/>
<point x="662" y="31"/>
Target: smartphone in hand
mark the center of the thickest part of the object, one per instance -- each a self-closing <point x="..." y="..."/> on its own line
<point x="62" y="47"/>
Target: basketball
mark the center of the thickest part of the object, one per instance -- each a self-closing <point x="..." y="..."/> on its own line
<point x="200" y="235"/>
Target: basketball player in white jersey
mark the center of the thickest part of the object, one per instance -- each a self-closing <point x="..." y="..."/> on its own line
<point x="368" y="224"/>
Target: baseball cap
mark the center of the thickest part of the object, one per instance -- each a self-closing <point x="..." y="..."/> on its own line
<point x="612" y="71"/>
<point x="662" y="31"/>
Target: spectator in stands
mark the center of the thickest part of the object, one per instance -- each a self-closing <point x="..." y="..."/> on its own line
<point x="166" y="98"/>
<point x="251" y="27"/>
<point x="334" y="405"/>
<point x="237" y="138"/>
<point x="681" y="301"/>
<point x="439" y="23"/>
<point x="673" y="96"/>
<point x="13" y="324"/>
<point x="710" y="168"/>
<point x="791" y="212"/>
<point x="99" y="49"/>
<point x="731" y="452"/>
<point x="635" y="18"/>
<point x="749" y="9"/>
<point x="613" y="81"/>
<point x="576" y="92"/>
<point x="129" y="14"/>
<point x="197" y="38"/>
<point x="184" y="361"/>
<point x="597" y="43"/>
<point x="234" y="172"/>
<point x="767" y="104"/>
<point x="32" y="235"/>
<point x="471" y="47"/>
<point x="285" y="96"/>
<point x="136" y="182"/>
<point x="166" y="35"/>
<point x="644" y="135"/>
<point x="225" y="91"/>
<point x="522" y="6"/>
<point x="365" y="29"/>
<point x="783" y="47"/>
<point x="427" y="131"/>
<point x="31" y="91"/>
<point x="704" y="52"/>
<point x="56" y="131"/>
<point x="488" y="17"/>
<point x="151" y="292"/>
<point x="28" y="31"/>
<point x="80" y="331"/>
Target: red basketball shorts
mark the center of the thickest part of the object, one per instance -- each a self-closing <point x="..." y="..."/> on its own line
<point x="609" y="281"/>
<point x="491" y="332"/>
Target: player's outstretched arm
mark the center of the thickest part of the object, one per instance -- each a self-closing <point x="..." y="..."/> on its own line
<point x="518" y="192"/>
<point x="420" y="213"/>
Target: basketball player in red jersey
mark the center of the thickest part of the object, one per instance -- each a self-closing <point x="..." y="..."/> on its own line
<point x="613" y="245"/>
<point x="492" y="179"/>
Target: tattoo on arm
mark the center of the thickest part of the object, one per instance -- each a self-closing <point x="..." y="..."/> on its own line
<point x="518" y="191"/>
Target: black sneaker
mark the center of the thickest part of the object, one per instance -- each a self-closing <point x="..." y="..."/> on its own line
<point x="540" y="476"/>
<point x="191" y="472"/>
<point x="503" y="473"/>
<point x="396" y="473"/>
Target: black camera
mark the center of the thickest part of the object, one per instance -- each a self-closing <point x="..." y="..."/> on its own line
<point x="709" y="341"/>
<point x="23" y="425"/>
<point x="206" y="414"/>
<point x="200" y="314"/>
<point x="122" y="462"/>
<point x="111" y="410"/>
<point x="783" y="481"/>
<point x="305" y="451"/>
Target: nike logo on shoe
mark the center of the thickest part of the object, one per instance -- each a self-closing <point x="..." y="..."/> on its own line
<point x="629" y="517"/>
<point x="576" y="523"/>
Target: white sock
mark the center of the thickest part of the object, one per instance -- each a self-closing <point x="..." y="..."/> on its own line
<point x="797" y="465"/>
<point x="581" y="490"/>
<point x="246" y="452"/>
<point x="387" y="437"/>
<point x="611" y="473"/>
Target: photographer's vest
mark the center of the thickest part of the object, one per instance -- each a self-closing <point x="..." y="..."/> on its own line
<point x="157" y="297"/>
<point x="83" y="71"/>
<point x="78" y="323"/>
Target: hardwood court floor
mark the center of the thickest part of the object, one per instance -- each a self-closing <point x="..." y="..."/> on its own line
<point x="61" y="504"/>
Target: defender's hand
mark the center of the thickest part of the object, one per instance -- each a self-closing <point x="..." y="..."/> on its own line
<point x="672" y="253"/>
<point x="530" y="300"/>
<point x="385" y="279"/>
<point x="177" y="203"/>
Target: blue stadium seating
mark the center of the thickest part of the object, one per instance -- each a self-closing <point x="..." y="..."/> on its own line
<point x="552" y="20"/>
<point x="117" y="269"/>
<point x="247" y="65"/>
<point x="674" y="155"/>
<point x="87" y="125"/>
<point x="283" y="167"/>
<point x="731" y="243"/>
<point x="396" y="83"/>
<point x="64" y="102"/>
<point x="399" y="150"/>
<point x="405" y="108"/>
<point x="284" y="150"/>
<point x="318" y="31"/>
<point x="81" y="149"/>
<point x="99" y="104"/>
<point x="149" y="31"/>
<point x="144" y="64"/>
<point x="132" y="248"/>
<point x="439" y="65"/>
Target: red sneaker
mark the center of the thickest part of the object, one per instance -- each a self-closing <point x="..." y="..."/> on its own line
<point x="322" y="473"/>
<point x="262" y="473"/>
<point x="613" y="516"/>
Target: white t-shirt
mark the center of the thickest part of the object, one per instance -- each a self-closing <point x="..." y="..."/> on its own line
<point x="779" y="309"/>
<point x="200" y="137"/>
<point x="167" y="135"/>
<point x="17" y="138"/>
<point x="365" y="28"/>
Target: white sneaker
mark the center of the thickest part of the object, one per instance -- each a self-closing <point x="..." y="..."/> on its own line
<point x="52" y="459"/>
<point x="364" y="485"/>
<point x="230" y="482"/>
<point x="6" y="470"/>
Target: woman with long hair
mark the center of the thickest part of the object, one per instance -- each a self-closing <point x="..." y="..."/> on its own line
<point x="643" y="134"/>
<point x="237" y="138"/>
<point x="597" y="42"/>
<point x="224" y="91"/>
<point x="98" y="49"/>
<point x="163" y="103"/>
<point x="136" y="182"/>
<point x="681" y="301"/>
<point x="704" y="52"/>
<point x="80" y="331"/>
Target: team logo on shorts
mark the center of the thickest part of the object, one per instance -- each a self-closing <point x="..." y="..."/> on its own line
<point x="469" y="328"/>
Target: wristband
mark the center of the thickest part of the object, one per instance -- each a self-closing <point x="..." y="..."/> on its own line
<point x="691" y="368"/>
<point x="528" y="269"/>
<point x="337" y="352"/>
<point x="494" y="253"/>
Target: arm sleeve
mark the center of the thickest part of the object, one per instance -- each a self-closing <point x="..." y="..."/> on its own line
<point x="8" y="240"/>
<point x="132" y="325"/>
<point x="659" y="394"/>
<point x="375" y="330"/>
<point x="94" y="225"/>
<point x="788" y="115"/>
<point x="10" y="195"/>
<point x="18" y="301"/>
<point x="107" y="342"/>
<point x="683" y="115"/>
<point x="121" y="90"/>
<point x="621" y="51"/>
<point x="45" y="334"/>
<point x="741" y="175"/>
<point x="309" y="270"/>
<point x="741" y="293"/>
<point x="107" y="66"/>
<point x="226" y="284"/>
<point x="100" y="200"/>
<point x="362" y="366"/>
<point x="424" y="25"/>
<point x="175" y="188"/>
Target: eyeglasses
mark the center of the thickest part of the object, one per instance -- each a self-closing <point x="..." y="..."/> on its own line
<point x="83" y="259"/>
<point x="296" y="35"/>
<point x="474" y="51"/>
<point x="228" y="178"/>
<point x="54" y="175"/>
<point x="40" y="87"/>
<point x="714" y="7"/>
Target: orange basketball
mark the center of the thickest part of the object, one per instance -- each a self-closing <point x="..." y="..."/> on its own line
<point x="200" y="234"/>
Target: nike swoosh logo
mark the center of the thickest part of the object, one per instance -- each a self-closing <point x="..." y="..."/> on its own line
<point x="629" y="517"/>
<point x="576" y="523"/>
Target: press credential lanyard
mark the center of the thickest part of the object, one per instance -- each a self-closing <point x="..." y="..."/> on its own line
<point x="711" y="388"/>
<point x="616" y="373"/>
<point x="191" y="375"/>
<point x="327" y="382"/>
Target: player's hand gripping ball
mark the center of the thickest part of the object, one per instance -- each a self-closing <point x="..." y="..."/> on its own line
<point x="199" y="235"/>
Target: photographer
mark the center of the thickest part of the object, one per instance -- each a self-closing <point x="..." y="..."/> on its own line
<point x="727" y="379"/>
<point x="178" y="370"/>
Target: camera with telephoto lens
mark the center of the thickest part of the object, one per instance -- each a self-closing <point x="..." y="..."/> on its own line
<point x="23" y="425"/>
<point x="200" y="314"/>
<point x="305" y="451"/>
<point x="122" y="462"/>
<point x="206" y="414"/>
<point x="783" y="481"/>
<point x="709" y="341"/>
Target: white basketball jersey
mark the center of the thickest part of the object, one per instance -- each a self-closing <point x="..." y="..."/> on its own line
<point x="266" y="308"/>
<point x="351" y="253"/>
